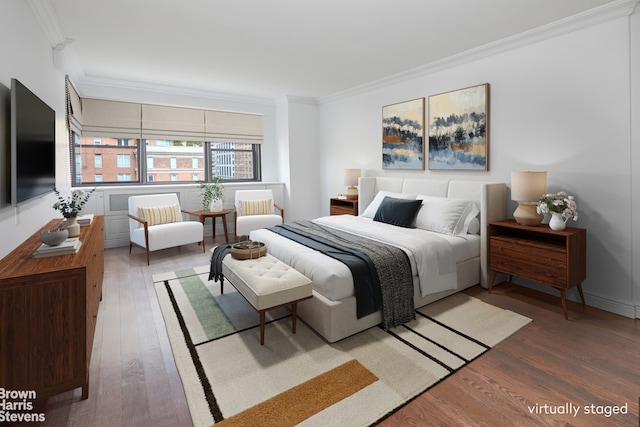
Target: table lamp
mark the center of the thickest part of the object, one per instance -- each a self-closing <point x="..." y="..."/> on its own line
<point x="351" y="180"/>
<point x="526" y="189"/>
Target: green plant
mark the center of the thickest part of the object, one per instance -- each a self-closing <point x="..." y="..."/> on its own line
<point x="211" y="191"/>
<point x="70" y="206"/>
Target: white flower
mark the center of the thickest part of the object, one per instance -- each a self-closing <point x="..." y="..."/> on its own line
<point x="559" y="203"/>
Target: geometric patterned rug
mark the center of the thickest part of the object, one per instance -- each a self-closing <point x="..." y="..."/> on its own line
<point x="300" y="379"/>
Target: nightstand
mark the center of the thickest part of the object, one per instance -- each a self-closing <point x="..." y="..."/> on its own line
<point x="553" y="258"/>
<point x="343" y="206"/>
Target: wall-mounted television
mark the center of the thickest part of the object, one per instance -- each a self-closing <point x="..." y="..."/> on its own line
<point x="33" y="145"/>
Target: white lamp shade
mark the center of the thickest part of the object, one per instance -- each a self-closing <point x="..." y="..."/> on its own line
<point x="351" y="177"/>
<point x="528" y="186"/>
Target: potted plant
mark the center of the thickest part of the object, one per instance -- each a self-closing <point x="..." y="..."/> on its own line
<point x="212" y="193"/>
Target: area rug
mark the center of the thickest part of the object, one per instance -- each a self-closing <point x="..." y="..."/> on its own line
<point x="299" y="379"/>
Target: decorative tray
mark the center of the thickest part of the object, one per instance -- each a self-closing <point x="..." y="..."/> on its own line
<point x="248" y="250"/>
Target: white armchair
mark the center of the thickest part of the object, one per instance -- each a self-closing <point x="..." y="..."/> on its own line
<point x="255" y="209"/>
<point x="155" y="222"/>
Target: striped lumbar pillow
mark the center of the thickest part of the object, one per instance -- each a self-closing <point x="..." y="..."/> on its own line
<point x="256" y="207"/>
<point x="156" y="215"/>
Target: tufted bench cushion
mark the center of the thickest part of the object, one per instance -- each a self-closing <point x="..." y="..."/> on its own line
<point x="266" y="283"/>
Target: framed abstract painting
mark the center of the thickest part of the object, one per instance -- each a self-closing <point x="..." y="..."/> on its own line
<point x="459" y="129"/>
<point x="403" y="135"/>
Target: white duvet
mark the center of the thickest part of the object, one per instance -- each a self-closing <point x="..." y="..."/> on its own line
<point x="431" y="255"/>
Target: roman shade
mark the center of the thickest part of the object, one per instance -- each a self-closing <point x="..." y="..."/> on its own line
<point x="74" y="108"/>
<point x="113" y="119"/>
<point x="225" y="126"/>
<point x="172" y="123"/>
<point x="116" y="119"/>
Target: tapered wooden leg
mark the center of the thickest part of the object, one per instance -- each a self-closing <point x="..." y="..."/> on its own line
<point x="261" y="327"/>
<point x="584" y="304"/>
<point x="563" y="296"/>
<point x="493" y="278"/>
<point x="294" y="315"/>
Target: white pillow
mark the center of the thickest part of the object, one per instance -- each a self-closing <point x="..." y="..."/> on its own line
<point x="371" y="210"/>
<point x="446" y="215"/>
<point x="474" y="226"/>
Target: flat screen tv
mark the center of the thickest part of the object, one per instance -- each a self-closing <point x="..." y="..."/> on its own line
<point x="33" y="136"/>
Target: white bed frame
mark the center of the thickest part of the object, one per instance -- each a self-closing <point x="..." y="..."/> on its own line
<point x="335" y="320"/>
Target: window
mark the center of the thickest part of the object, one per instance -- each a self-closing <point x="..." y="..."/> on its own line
<point x="175" y="162"/>
<point x="117" y="142"/>
<point x="235" y="161"/>
<point x="109" y="161"/>
<point x="123" y="160"/>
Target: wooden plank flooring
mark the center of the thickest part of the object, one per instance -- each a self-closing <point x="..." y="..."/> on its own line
<point x="592" y="358"/>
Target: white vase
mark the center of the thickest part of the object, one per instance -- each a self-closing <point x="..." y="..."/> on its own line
<point x="216" y="205"/>
<point x="557" y="222"/>
<point x="72" y="226"/>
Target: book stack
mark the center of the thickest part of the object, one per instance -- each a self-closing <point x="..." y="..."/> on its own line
<point x="69" y="246"/>
<point x="85" y="219"/>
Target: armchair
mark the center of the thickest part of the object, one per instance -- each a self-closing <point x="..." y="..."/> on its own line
<point x="255" y="209"/>
<point x="155" y="222"/>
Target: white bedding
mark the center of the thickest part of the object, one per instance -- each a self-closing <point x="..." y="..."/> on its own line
<point x="433" y="256"/>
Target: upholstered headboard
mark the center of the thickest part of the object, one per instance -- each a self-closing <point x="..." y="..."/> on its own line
<point x="491" y="198"/>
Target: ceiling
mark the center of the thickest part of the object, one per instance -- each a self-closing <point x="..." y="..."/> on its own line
<point x="302" y="48"/>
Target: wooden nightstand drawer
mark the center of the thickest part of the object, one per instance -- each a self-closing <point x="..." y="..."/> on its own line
<point x="554" y="272"/>
<point x="531" y="251"/>
<point x="343" y="207"/>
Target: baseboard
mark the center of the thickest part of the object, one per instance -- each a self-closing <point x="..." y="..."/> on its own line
<point x="616" y="307"/>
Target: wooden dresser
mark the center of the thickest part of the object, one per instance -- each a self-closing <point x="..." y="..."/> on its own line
<point x="48" y="313"/>
<point x="554" y="258"/>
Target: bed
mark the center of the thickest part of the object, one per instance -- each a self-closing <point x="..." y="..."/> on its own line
<point x="457" y="210"/>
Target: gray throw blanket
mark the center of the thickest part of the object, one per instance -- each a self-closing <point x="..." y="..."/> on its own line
<point x="392" y="267"/>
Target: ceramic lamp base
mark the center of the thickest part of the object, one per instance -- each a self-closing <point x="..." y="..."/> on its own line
<point x="526" y="214"/>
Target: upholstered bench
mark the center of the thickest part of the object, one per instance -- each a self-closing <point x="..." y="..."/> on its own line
<point x="266" y="283"/>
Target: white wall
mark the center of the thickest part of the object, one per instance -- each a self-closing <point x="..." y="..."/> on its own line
<point x="635" y="155"/>
<point x="27" y="56"/>
<point x="560" y="104"/>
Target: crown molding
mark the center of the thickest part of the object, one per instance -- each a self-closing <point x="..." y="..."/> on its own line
<point x="567" y="25"/>
<point x="91" y="81"/>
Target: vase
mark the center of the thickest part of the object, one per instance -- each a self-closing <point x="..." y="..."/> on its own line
<point x="557" y="222"/>
<point x="216" y="205"/>
<point x="72" y="226"/>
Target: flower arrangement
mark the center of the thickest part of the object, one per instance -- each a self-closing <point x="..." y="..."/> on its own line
<point x="70" y="206"/>
<point x="559" y="203"/>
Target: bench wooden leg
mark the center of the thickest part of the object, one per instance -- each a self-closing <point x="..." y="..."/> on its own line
<point x="261" y="327"/>
<point x="294" y="316"/>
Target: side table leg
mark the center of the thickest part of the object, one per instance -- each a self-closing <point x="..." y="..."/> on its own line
<point x="584" y="304"/>
<point x="493" y="278"/>
<point x="563" y="296"/>
<point x="224" y="225"/>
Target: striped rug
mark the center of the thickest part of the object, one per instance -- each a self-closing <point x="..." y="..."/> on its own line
<point x="299" y="379"/>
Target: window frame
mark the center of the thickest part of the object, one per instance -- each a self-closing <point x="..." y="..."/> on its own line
<point x="140" y="160"/>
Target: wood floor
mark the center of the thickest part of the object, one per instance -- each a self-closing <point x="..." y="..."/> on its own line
<point x="591" y="359"/>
